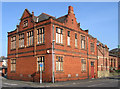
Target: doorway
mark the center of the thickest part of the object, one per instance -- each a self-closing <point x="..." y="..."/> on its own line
<point x="92" y="70"/>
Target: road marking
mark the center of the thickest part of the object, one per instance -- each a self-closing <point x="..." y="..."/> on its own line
<point x="10" y="84"/>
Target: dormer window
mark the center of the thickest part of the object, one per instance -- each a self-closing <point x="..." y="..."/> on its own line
<point x="25" y="24"/>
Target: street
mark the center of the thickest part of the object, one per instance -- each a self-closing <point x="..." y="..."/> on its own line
<point x="105" y="82"/>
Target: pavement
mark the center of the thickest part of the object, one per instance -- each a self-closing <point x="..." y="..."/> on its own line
<point x="102" y="82"/>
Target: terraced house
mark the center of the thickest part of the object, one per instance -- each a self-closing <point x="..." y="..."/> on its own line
<point x="66" y="51"/>
<point x="103" y="60"/>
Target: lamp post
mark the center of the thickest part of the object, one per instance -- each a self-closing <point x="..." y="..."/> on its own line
<point x="53" y="57"/>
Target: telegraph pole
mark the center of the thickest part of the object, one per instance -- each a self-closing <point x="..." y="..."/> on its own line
<point x="53" y="76"/>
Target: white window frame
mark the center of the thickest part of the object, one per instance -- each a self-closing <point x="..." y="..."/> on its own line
<point x="13" y="42"/>
<point x="41" y="35"/>
<point x="68" y="38"/>
<point x="76" y="40"/>
<point x="13" y="65"/>
<point x="83" y="65"/>
<point x="59" y="63"/>
<point x="82" y="42"/>
<point x="21" y="40"/>
<point x="59" y="35"/>
<point x="41" y="60"/>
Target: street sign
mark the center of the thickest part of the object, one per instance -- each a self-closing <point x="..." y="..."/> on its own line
<point x="41" y="65"/>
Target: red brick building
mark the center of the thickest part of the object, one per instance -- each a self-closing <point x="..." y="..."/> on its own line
<point x="31" y="43"/>
<point x="103" y="60"/>
<point x="1" y="66"/>
<point x="114" y="59"/>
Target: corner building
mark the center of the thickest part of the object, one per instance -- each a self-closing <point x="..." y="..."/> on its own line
<point x="31" y="43"/>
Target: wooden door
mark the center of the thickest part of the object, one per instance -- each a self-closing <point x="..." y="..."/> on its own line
<point x="92" y="70"/>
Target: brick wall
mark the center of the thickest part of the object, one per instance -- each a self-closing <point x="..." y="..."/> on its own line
<point x="26" y="57"/>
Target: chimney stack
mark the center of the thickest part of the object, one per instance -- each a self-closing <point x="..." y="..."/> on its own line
<point x="32" y="13"/>
<point x="70" y="10"/>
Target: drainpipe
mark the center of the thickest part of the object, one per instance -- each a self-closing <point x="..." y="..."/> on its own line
<point x="87" y="58"/>
<point x="53" y="76"/>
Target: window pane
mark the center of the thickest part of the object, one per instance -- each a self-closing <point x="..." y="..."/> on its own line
<point x="61" y="31"/>
<point x="69" y="33"/>
<point x="61" y="66"/>
<point x="56" y="30"/>
<point x="57" y="66"/>
<point x="75" y="42"/>
<point x="56" y="37"/>
<point x="68" y="40"/>
<point x="75" y="36"/>
<point x="43" y="38"/>
<point x="38" y="39"/>
<point x="61" y="38"/>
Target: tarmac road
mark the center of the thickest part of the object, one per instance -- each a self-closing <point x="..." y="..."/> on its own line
<point x="105" y="82"/>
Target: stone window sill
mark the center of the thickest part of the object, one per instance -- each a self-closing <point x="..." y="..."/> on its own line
<point x="83" y="49"/>
<point x="40" y="44"/>
<point x="76" y="48"/>
<point x="83" y="72"/>
<point x="57" y="71"/>
<point x="68" y="46"/>
<point x="25" y="26"/>
<point x="21" y="48"/>
<point x="59" y="44"/>
<point x="13" y="49"/>
<point x="13" y="71"/>
<point x="29" y="46"/>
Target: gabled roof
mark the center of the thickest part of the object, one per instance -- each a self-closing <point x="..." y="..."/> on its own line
<point x="27" y="12"/>
<point x="114" y="52"/>
<point x="42" y="17"/>
<point x="91" y="36"/>
<point x="62" y="19"/>
<point x="12" y="31"/>
<point x="100" y="43"/>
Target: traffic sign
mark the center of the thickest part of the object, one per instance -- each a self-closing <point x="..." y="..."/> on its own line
<point x="41" y="65"/>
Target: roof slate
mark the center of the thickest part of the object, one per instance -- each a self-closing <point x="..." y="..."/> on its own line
<point x="42" y="17"/>
<point x="114" y="52"/>
<point x="62" y="19"/>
